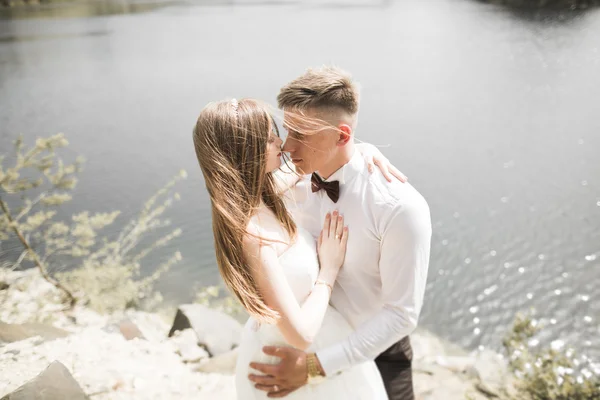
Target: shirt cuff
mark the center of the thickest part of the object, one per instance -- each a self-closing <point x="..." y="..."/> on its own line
<point x="333" y="359"/>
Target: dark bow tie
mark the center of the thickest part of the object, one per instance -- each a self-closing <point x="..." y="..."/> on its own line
<point x="331" y="188"/>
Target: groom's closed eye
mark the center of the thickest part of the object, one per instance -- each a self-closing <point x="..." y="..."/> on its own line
<point x="295" y="134"/>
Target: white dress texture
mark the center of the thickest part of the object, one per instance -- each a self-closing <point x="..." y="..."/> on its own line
<point x="361" y="381"/>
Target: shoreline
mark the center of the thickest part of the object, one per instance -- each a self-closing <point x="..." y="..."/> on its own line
<point x="129" y="354"/>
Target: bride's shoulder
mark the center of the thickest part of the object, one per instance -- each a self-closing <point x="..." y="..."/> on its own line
<point x="253" y="233"/>
<point x="257" y="235"/>
<point x="251" y="241"/>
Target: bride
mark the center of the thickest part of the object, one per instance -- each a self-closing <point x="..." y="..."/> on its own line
<point x="268" y="262"/>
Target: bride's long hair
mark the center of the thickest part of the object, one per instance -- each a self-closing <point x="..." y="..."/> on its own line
<point x="231" y="139"/>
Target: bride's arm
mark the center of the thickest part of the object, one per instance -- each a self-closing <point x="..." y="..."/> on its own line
<point x="375" y="158"/>
<point x="299" y="323"/>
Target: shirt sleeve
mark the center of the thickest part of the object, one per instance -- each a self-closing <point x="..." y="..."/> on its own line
<point x="403" y="265"/>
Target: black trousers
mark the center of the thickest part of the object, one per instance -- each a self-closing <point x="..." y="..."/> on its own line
<point x="395" y="366"/>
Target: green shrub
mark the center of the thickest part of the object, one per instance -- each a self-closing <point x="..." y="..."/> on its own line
<point x="546" y="373"/>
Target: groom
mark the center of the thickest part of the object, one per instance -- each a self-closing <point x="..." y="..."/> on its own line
<point x="380" y="287"/>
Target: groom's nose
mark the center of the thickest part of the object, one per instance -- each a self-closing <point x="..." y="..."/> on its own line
<point x="288" y="146"/>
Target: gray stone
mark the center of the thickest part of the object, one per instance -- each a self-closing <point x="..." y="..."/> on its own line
<point x="4" y="285"/>
<point x="217" y="332"/>
<point x="54" y="383"/>
<point x="15" y="332"/>
<point x="221" y="364"/>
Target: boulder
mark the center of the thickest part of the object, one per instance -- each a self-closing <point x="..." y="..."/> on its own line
<point x="15" y="332"/>
<point x="221" y="364"/>
<point x="217" y="332"/>
<point x="4" y="285"/>
<point x="54" y="383"/>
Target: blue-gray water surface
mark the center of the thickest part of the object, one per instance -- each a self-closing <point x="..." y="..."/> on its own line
<point x="491" y="113"/>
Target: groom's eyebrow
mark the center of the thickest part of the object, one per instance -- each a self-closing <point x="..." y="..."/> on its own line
<point x="292" y="132"/>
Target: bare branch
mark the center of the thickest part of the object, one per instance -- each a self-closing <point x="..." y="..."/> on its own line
<point x="36" y="260"/>
<point x="30" y="206"/>
<point x="19" y="260"/>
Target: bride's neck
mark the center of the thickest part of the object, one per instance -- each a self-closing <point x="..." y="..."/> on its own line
<point x="262" y="209"/>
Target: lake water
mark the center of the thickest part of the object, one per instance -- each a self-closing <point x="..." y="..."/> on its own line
<point x="491" y="113"/>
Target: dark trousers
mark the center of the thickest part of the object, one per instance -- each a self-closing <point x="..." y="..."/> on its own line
<point x="395" y="366"/>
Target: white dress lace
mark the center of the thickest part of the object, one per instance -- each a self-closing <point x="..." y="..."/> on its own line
<point x="301" y="270"/>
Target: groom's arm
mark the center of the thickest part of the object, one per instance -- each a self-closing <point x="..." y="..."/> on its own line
<point x="403" y="265"/>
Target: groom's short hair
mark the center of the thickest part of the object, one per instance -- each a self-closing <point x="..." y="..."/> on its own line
<point x="327" y="86"/>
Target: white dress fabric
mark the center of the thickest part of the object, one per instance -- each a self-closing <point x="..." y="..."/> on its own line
<point x="362" y="381"/>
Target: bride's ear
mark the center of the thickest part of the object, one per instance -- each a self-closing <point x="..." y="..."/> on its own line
<point x="345" y="132"/>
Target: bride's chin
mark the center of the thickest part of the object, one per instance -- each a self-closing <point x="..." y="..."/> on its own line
<point x="275" y="167"/>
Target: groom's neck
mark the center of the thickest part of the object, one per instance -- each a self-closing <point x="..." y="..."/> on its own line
<point x="342" y="157"/>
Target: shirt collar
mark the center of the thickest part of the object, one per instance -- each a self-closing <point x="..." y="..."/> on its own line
<point x="349" y="170"/>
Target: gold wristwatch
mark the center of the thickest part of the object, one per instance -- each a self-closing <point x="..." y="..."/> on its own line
<point x="312" y="366"/>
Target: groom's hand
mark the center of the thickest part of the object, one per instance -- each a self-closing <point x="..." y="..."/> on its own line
<point x="283" y="378"/>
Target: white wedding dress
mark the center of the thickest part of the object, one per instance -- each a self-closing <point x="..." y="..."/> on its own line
<point x="301" y="268"/>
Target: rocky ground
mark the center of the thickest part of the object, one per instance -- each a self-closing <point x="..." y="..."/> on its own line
<point x="137" y="355"/>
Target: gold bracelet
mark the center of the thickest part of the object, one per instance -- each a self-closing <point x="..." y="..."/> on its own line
<point x="322" y="282"/>
<point x="312" y="368"/>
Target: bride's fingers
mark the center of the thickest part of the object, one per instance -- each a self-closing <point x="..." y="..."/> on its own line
<point x="326" y="224"/>
<point x="340" y="227"/>
<point x="320" y="239"/>
<point x="334" y="222"/>
<point x="399" y="175"/>
<point x="370" y="164"/>
<point x="383" y="167"/>
<point x="345" y="236"/>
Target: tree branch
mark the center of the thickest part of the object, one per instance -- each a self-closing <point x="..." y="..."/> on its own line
<point x="19" y="260"/>
<point x="28" y="208"/>
<point x="36" y="260"/>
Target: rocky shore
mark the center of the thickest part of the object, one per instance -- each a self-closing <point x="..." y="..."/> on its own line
<point x="79" y="354"/>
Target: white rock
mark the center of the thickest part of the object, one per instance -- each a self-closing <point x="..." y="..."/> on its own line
<point x="216" y="331"/>
<point x="186" y="344"/>
<point x="222" y="364"/>
<point x="492" y="370"/>
<point x="99" y="360"/>
<point x="455" y="364"/>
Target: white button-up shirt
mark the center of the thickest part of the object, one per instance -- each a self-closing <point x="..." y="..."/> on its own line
<point x="380" y="287"/>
